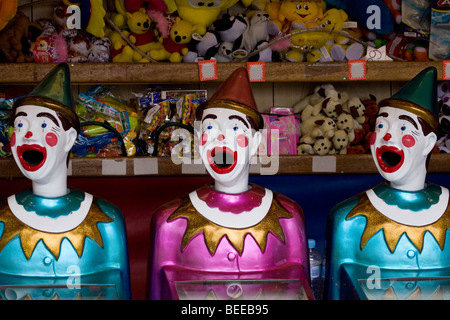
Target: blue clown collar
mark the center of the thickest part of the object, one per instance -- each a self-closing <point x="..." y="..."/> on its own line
<point x="409" y="200"/>
<point x="51" y="207"/>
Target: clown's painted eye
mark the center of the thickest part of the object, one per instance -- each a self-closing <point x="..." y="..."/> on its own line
<point x="209" y="127"/>
<point x="380" y="126"/>
<point x="44" y="125"/>
<point x="403" y="128"/>
<point x="20" y="125"/>
<point x="235" y="128"/>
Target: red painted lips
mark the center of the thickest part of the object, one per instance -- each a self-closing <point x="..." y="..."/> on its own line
<point x="390" y="159"/>
<point x="222" y="159"/>
<point x="31" y="156"/>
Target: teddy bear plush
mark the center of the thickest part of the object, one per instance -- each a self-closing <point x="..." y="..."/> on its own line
<point x="175" y="46"/>
<point x="13" y="39"/>
<point x="142" y="33"/>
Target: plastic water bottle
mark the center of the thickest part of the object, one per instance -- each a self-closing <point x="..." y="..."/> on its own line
<point x="315" y="264"/>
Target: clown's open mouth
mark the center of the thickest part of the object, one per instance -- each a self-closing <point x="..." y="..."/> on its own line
<point x="31" y="156"/>
<point x="222" y="159"/>
<point x="390" y="159"/>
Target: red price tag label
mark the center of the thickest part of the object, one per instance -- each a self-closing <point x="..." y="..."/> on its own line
<point x="357" y="70"/>
<point x="207" y="70"/>
<point x="256" y="71"/>
<point x="446" y="70"/>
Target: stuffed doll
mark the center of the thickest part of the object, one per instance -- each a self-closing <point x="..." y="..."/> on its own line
<point x="175" y="46"/>
<point x="14" y="39"/>
<point x="8" y="10"/>
<point x="142" y="33"/>
<point x="201" y="14"/>
<point x="254" y="33"/>
<point x="340" y="141"/>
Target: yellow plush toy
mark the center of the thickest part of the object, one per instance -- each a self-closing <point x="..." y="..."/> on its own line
<point x="200" y="13"/>
<point x="142" y="35"/>
<point x="306" y="43"/>
<point x="8" y="9"/>
<point x="294" y="12"/>
<point x="175" y="46"/>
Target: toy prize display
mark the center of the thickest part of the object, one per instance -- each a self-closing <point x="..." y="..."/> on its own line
<point x="230" y="239"/>
<point x="231" y="30"/>
<point x="396" y="230"/>
<point x="57" y="242"/>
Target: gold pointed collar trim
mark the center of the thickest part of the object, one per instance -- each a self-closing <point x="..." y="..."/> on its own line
<point x="29" y="237"/>
<point x="214" y="233"/>
<point x="375" y="221"/>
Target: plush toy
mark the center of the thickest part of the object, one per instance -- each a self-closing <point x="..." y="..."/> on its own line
<point x="371" y="111"/>
<point x="229" y="28"/>
<point x="135" y="5"/>
<point x="301" y="13"/>
<point x="8" y="9"/>
<point x="175" y="46"/>
<point x="346" y="122"/>
<point x="79" y="48"/>
<point x="142" y="34"/>
<point x="316" y="126"/>
<point x="120" y="50"/>
<point x="356" y="108"/>
<point x="340" y="141"/>
<point x="306" y="45"/>
<point x="255" y="33"/>
<point x="224" y="52"/>
<point x="92" y="15"/>
<point x="14" y="39"/>
<point x="100" y="50"/>
<point x="199" y="13"/>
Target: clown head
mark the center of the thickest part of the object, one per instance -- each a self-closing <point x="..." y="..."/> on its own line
<point x="406" y="132"/>
<point x="230" y="134"/>
<point x="45" y="129"/>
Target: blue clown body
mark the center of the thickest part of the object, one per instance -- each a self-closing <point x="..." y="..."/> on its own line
<point x="80" y="267"/>
<point x="371" y="256"/>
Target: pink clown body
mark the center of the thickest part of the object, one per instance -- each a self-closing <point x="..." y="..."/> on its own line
<point x="281" y="260"/>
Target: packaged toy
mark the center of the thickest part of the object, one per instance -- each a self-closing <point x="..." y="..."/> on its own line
<point x="439" y="48"/>
<point x="283" y="132"/>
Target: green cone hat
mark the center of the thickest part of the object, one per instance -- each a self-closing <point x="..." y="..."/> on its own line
<point x="418" y="96"/>
<point x="54" y="92"/>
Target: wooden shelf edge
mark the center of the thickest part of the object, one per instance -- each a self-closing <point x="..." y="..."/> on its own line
<point x="165" y="72"/>
<point x="164" y="166"/>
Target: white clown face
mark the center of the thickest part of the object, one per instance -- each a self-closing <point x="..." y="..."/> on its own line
<point x="39" y="143"/>
<point x="227" y="144"/>
<point x="400" y="148"/>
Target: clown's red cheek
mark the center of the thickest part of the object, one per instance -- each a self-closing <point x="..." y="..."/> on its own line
<point x="408" y="141"/>
<point x="373" y="138"/>
<point x="12" y="141"/>
<point x="242" y="141"/>
<point x="204" y="139"/>
<point x="51" y="139"/>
